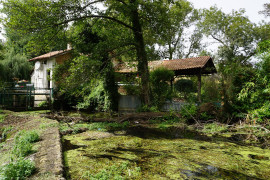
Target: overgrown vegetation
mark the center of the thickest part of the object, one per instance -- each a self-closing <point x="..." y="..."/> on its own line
<point x="141" y="31"/>
<point x="19" y="167"/>
<point x="161" y="91"/>
<point x="23" y="143"/>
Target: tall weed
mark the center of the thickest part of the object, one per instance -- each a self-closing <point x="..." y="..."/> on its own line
<point x="19" y="169"/>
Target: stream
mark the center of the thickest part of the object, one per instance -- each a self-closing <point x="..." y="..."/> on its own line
<point x="140" y="152"/>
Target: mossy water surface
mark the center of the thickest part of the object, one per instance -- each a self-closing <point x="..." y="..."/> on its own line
<point x="161" y="154"/>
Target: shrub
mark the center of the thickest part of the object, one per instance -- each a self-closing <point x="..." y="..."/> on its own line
<point x="261" y="114"/>
<point x="43" y="104"/>
<point x="161" y="90"/>
<point x="19" y="169"/>
<point x="185" y="86"/>
<point x="132" y="89"/>
<point x="189" y="111"/>
<point x="146" y="108"/>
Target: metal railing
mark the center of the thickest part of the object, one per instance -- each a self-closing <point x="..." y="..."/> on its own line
<point x="24" y="96"/>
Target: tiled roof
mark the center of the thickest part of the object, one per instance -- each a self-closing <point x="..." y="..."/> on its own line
<point x="50" y="55"/>
<point x="176" y="64"/>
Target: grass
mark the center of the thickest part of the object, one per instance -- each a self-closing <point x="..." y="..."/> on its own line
<point x="100" y="126"/>
<point x="214" y="128"/>
<point x="5" y="132"/>
<point x="2" y="116"/>
<point x="23" y="143"/>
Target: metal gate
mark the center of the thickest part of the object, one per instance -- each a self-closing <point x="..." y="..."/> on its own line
<point x="24" y="96"/>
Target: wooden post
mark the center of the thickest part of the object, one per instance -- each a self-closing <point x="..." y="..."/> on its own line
<point x="171" y="83"/>
<point x="199" y="87"/>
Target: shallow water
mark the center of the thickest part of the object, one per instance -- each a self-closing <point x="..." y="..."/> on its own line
<point x="150" y="153"/>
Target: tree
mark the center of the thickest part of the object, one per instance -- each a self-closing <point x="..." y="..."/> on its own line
<point x="169" y="27"/>
<point x="237" y="40"/>
<point x="266" y="10"/>
<point x="48" y="17"/>
<point x="235" y="34"/>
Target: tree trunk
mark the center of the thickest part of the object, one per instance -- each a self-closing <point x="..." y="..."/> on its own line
<point x="170" y="51"/>
<point x="141" y="53"/>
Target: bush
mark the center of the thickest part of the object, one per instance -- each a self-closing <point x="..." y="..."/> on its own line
<point x="185" y="86"/>
<point x="43" y="104"/>
<point x="19" y="169"/>
<point x="189" y="111"/>
<point x="261" y="114"/>
<point x="161" y="90"/>
<point x="146" y="108"/>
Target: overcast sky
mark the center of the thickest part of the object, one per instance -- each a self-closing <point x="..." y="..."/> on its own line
<point x="252" y="7"/>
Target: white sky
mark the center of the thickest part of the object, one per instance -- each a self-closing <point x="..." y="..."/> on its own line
<point x="252" y="7"/>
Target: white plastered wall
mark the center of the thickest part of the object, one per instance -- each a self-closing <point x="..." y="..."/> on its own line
<point x="40" y="75"/>
<point x="40" y="79"/>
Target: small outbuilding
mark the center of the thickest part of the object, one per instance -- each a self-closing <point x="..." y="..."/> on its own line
<point x="196" y="66"/>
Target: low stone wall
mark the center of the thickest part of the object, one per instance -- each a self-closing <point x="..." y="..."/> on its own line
<point x="48" y="159"/>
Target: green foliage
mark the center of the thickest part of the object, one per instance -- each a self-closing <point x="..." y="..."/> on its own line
<point x="189" y="111"/>
<point x="132" y="89"/>
<point x="5" y="132"/>
<point x="167" y="119"/>
<point x="214" y="128"/>
<point x="161" y="90"/>
<point x="2" y="117"/>
<point x="262" y="114"/>
<point x="22" y="143"/>
<point x="100" y="126"/>
<point x="255" y="94"/>
<point x="185" y="86"/>
<point x="235" y="33"/>
<point x="211" y="89"/>
<point x="205" y="116"/>
<point x="88" y="82"/>
<point x="43" y="104"/>
<point x="146" y="108"/>
<point x="14" y="65"/>
<point x="20" y="169"/>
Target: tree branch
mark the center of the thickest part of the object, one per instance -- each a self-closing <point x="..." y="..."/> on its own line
<point x="95" y="16"/>
<point x="218" y="40"/>
<point x="122" y="2"/>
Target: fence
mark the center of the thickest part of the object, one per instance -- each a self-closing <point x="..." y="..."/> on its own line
<point x="132" y="103"/>
<point x="23" y="96"/>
